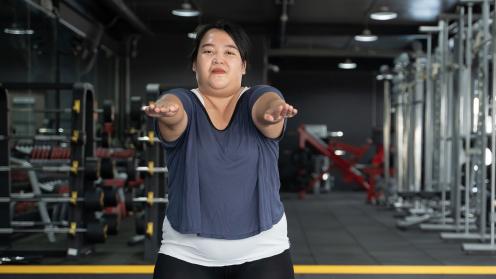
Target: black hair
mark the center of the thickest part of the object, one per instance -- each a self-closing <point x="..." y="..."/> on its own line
<point x="237" y="34"/>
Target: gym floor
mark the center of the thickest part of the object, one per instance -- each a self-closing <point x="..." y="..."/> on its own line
<point x="334" y="235"/>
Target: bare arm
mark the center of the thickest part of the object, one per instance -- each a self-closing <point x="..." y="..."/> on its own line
<point x="268" y="114"/>
<point x="170" y="114"/>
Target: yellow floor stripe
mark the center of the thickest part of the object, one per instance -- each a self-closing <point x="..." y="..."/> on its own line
<point x="394" y="269"/>
<point x="299" y="269"/>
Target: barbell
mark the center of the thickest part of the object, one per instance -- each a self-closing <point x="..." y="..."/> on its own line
<point x="91" y="168"/>
<point x="95" y="232"/>
<point x="92" y="200"/>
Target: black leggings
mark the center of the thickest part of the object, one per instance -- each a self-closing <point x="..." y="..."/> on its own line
<point x="275" y="267"/>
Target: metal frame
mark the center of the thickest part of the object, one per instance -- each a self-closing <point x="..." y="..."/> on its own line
<point x="488" y="247"/>
<point x="6" y="216"/>
<point x="156" y="183"/>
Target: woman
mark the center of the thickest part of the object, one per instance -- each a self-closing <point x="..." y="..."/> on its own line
<point x="225" y="218"/>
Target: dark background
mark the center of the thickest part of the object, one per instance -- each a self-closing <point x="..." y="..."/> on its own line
<point x="141" y="42"/>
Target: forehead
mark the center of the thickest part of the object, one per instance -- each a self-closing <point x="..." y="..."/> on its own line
<point x="217" y="37"/>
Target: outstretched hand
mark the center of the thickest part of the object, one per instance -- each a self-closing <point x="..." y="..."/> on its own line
<point x="279" y="110"/>
<point x="161" y="109"/>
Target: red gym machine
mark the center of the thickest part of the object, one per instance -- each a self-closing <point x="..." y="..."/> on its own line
<point x="365" y="176"/>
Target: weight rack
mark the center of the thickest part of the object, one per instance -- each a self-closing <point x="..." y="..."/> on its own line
<point x="82" y="146"/>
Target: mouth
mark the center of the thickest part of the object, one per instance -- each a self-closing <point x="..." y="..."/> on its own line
<point x="218" y="71"/>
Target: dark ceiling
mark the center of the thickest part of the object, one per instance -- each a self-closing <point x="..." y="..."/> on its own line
<point x="311" y="23"/>
<point x="314" y="29"/>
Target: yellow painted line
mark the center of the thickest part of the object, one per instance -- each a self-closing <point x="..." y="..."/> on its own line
<point x="299" y="269"/>
<point x="77" y="269"/>
<point x="394" y="269"/>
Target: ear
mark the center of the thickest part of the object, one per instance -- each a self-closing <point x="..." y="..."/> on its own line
<point x="243" y="68"/>
<point x="194" y="67"/>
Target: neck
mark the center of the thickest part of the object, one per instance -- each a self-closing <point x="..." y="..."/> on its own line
<point x="219" y="100"/>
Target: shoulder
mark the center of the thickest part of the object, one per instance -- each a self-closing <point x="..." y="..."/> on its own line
<point x="182" y="93"/>
<point x="178" y="91"/>
<point x="186" y="96"/>
<point x="263" y="88"/>
<point x="258" y="90"/>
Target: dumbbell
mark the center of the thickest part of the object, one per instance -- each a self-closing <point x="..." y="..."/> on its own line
<point x="110" y="196"/>
<point x="113" y="222"/>
<point x="140" y="223"/>
<point x="142" y="227"/>
<point x="109" y="166"/>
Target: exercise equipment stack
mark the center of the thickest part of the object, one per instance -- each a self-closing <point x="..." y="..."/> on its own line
<point x="84" y="198"/>
<point x="439" y="119"/>
<point x="147" y="201"/>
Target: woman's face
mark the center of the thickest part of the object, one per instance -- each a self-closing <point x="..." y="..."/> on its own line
<point x="218" y="63"/>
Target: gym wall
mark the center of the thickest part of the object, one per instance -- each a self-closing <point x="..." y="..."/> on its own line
<point x="328" y="97"/>
<point x="34" y="58"/>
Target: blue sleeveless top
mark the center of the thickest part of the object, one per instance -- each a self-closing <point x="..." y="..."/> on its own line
<point x="223" y="183"/>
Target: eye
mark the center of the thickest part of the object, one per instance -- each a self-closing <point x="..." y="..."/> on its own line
<point x="230" y="52"/>
<point x="207" y="51"/>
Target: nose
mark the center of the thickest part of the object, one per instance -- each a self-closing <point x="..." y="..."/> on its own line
<point x="217" y="60"/>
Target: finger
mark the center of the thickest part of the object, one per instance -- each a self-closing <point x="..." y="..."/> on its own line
<point x="157" y="109"/>
<point x="289" y="111"/>
<point x="169" y="114"/>
<point x="291" y="114"/>
<point x="149" y="111"/>
<point x="152" y="114"/>
<point x="269" y="117"/>
<point x="165" y="109"/>
<point x="161" y="111"/>
<point x="170" y="110"/>
<point x="284" y="111"/>
<point x="173" y="108"/>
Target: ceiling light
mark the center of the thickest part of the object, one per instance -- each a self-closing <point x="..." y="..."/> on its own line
<point x="16" y="30"/>
<point x="366" y="36"/>
<point x="274" y="68"/>
<point x="186" y="10"/>
<point x="383" y="14"/>
<point x="347" y="65"/>
<point x="192" y="35"/>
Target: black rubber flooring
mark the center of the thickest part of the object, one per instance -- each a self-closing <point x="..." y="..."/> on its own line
<point x="341" y="229"/>
<point x="327" y="229"/>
